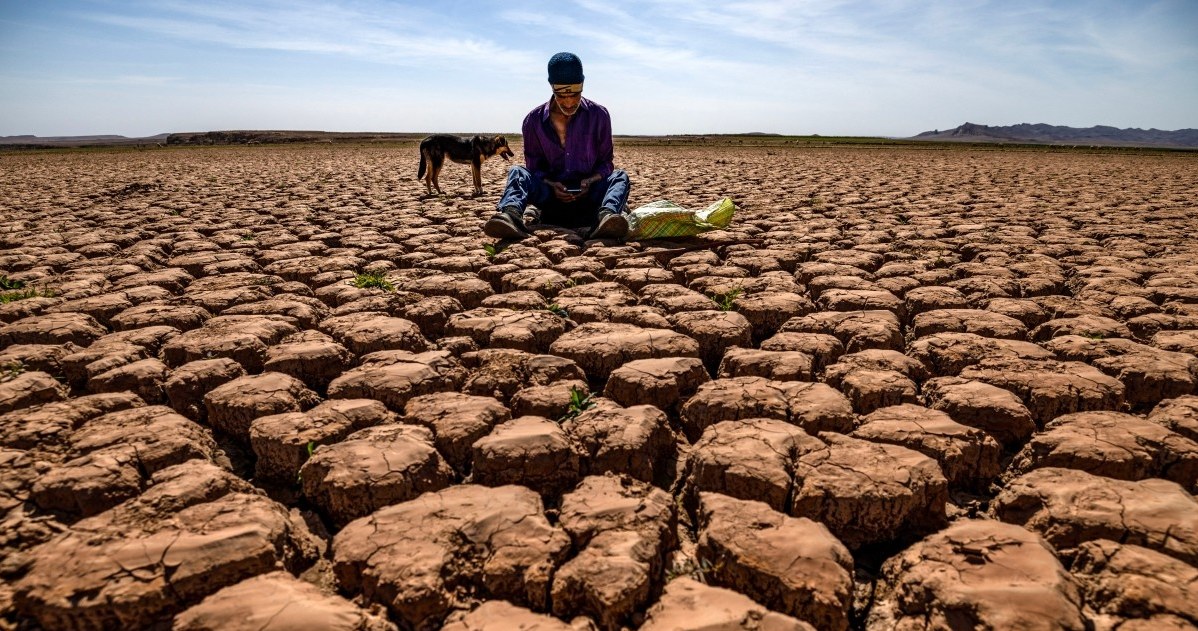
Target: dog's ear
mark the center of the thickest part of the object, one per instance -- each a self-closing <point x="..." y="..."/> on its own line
<point x="477" y="140"/>
<point x="500" y="141"/>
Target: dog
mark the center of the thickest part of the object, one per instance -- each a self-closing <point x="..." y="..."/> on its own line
<point x="472" y="151"/>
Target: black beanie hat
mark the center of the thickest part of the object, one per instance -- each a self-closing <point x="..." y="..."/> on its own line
<point x="565" y="68"/>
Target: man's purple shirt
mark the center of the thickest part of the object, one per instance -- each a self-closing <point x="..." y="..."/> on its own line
<point x="588" y="143"/>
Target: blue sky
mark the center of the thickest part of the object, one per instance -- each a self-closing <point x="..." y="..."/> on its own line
<point x="831" y="67"/>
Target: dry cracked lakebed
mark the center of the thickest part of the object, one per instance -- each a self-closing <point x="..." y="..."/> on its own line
<point x="277" y="387"/>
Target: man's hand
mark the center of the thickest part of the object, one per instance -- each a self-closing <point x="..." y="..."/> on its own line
<point x="560" y="192"/>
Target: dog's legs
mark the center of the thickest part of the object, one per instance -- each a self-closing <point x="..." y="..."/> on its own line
<point x="476" y="167"/>
<point x="425" y="173"/>
<point x="438" y="162"/>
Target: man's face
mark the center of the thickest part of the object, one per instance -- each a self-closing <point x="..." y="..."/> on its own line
<point x="567" y="101"/>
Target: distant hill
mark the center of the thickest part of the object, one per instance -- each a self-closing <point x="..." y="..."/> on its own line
<point x="1100" y="135"/>
<point x="29" y="140"/>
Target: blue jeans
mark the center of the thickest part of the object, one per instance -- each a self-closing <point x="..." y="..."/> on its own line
<point x="524" y="190"/>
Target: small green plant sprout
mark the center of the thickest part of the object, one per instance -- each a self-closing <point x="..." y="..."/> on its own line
<point x="7" y="283"/>
<point x="726" y="301"/>
<point x="248" y="236"/>
<point x="904" y="219"/>
<point x="1093" y="335"/>
<point x="11" y="370"/>
<point x="490" y="250"/>
<point x="557" y="310"/>
<point x="365" y="280"/>
<point x="311" y="448"/>
<point x="579" y="401"/>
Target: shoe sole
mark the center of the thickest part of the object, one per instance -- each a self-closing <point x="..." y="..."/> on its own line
<point x="499" y="229"/>
<point x="613" y="227"/>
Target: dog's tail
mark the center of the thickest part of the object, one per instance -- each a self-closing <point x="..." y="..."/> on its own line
<point x="420" y="173"/>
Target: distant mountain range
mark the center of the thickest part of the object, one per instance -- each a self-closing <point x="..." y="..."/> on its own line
<point x="29" y="140"/>
<point x="1099" y="135"/>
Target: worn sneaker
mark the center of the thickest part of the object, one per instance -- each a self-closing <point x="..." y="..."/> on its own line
<point x="505" y="224"/>
<point x="611" y="226"/>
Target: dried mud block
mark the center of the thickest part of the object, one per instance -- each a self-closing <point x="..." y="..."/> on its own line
<point x="977" y="574"/>
<point x="823" y="349"/>
<point x="767" y="313"/>
<point x="861" y="259"/>
<point x="45" y="358"/>
<point x="775" y="365"/>
<point x="1177" y="341"/>
<point x="500" y="373"/>
<point x="924" y="299"/>
<point x="751" y="459"/>
<point x="1179" y="415"/>
<point x="636" y="278"/>
<point x="456" y="420"/>
<point x="947" y="354"/>
<point x="48" y="427"/>
<point x="29" y="389"/>
<point x="499" y="615"/>
<point x="623" y="530"/>
<point x="172" y="279"/>
<point x="1146" y="326"/>
<point x="394" y="377"/>
<point x="281" y="442"/>
<point x="231" y="407"/>
<point x="187" y="385"/>
<point x="1148" y="374"/>
<point x="281" y="600"/>
<point x="874" y="359"/>
<point x="102" y="307"/>
<point x="82" y="366"/>
<point x="1114" y="445"/>
<point x="1022" y="309"/>
<point x="976" y="321"/>
<point x="181" y="317"/>
<point x="516" y="301"/>
<point x="150" y="338"/>
<point x="857" y="330"/>
<point x="663" y="383"/>
<point x="1085" y="325"/>
<point x="1051" y="388"/>
<point x="550" y="401"/>
<point x="52" y="328"/>
<point x="1127" y="586"/>
<point x="543" y="281"/>
<point x="466" y="288"/>
<point x="861" y="300"/>
<point x="715" y="331"/>
<point x="996" y="411"/>
<point x="311" y="357"/>
<point x="672" y="298"/>
<point x="432" y="314"/>
<point x="241" y="338"/>
<point x="112" y="454"/>
<point x="1069" y="507"/>
<point x="599" y="348"/>
<point x="192" y="533"/>
<point x="528" y="450"/>
<point x="421" y="557"/>
<point x="364" y="333"/>
<point x="820" y="285"/>
<point x="372" y="468"/>
<point x="27" y="308"/>
<point x="870" y="389"/>
<point x="867" y="492"/>
<point x="306" y="312"/>
<point x="968" y="457"/>
<point x="529" y="331"/>
<point x="813" y="406"/>
<point x="145" y="378"/>
<point x="791" y="565"/>
<point x="635" y="441"/>
<point x="688" y="605"/>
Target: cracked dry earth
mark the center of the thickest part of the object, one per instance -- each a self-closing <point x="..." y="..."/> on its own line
<point x="955" y="389"/>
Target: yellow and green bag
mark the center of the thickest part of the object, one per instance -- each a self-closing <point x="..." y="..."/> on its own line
<point x="664" y="219"/>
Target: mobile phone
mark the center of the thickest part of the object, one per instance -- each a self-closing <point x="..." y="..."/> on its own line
<point x="573" y="191"/>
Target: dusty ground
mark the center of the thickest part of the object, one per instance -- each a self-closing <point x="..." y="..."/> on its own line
<point x="920" y="387"/>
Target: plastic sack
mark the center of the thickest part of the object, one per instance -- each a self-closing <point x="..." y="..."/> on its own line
<point x="664" y="219"/>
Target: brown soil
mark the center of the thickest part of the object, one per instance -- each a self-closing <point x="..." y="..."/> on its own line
<point x="905" y="384"/>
